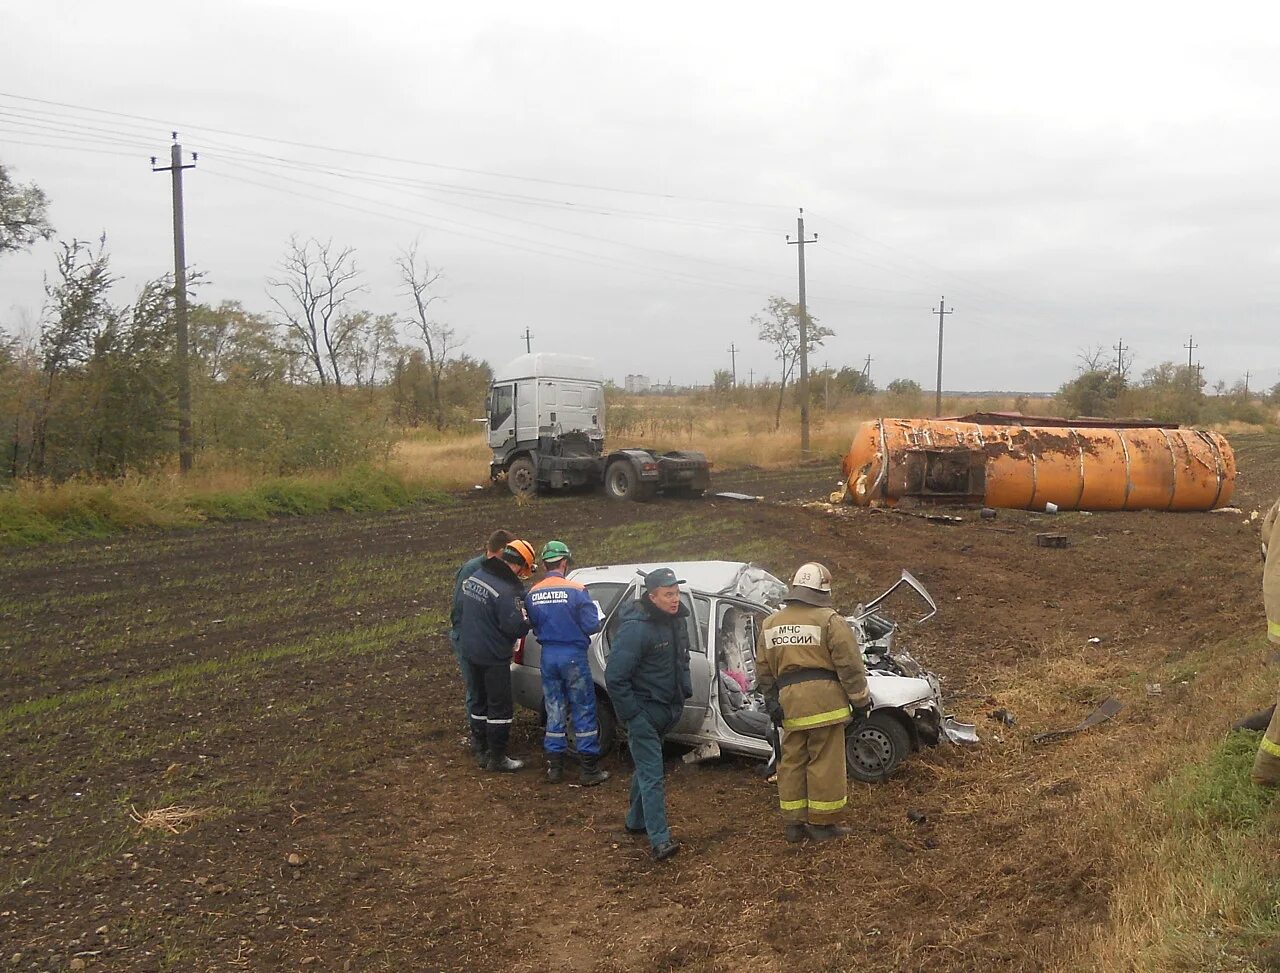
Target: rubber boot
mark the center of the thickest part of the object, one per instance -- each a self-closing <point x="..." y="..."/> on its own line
<point x="795" y="832"/>
<point x="555" y="767"/>
<point x="480" y="752"/>
<point x="1256" y="721"/>
<point x="826" y="832"/>
<point x="502" y="764"/>
<point x="591" y="772"/>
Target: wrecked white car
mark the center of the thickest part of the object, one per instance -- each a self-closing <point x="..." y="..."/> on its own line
<point x="727" y="602"/>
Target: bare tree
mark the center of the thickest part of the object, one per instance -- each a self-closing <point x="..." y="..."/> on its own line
<point x="315" y="283"/>
<point x="373" y="341"/>
<point x="440" y="339"/>
<point x="780" y="327"/>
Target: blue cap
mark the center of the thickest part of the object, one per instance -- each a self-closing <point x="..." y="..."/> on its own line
<point x="660" y="578"/>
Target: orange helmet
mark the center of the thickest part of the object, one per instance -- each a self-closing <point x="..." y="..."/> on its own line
<point x="520" y="557"/>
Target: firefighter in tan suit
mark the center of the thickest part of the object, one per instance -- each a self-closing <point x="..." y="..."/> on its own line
<point x="809" y="668"/>
<point x="1266" y="767"/>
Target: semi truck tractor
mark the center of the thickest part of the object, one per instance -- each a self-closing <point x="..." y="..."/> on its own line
<point x="546" y="420"/>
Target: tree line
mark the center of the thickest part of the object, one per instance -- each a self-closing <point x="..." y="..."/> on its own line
<point x="320" y="383"/>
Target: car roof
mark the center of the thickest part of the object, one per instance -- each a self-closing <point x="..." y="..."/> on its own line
<point x="707" y="577"/>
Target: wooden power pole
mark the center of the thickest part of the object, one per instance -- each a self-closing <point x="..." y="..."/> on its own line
<point x="800" y="241"/>
<point x="186" y="447"/>
<point x="942" y="309"/>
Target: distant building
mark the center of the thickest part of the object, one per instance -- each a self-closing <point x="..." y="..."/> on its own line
<point x="636" y="383"/>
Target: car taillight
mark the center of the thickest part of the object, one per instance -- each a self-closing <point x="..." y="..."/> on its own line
<point x="517" y="656"/>
<point x="649" y="466"/>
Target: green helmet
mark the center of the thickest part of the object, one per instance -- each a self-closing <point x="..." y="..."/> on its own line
<point x="555" y="551"/>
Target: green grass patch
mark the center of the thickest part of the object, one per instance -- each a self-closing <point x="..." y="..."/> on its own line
<point x="1217" y="794"/>
<point x="77" y="511"/>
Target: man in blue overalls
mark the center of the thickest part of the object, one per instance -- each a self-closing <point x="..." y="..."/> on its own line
<point x="564" y="617"/>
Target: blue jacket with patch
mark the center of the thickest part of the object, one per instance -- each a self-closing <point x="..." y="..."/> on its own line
<point x="493" y="615"/>
<point x="648" y="668"/>
<point x="561" y="612"/>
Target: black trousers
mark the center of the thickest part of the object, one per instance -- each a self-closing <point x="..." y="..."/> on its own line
<point x="492" y="715"/>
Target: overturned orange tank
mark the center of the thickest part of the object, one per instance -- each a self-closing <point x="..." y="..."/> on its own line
<point x="1025" y="462"/>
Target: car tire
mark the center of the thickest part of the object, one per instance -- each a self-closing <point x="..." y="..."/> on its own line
<point x="522" y="477"/>
<point x="622" y="482"/>
<point x="608" y="728"/>
<point x="875" y="747"/>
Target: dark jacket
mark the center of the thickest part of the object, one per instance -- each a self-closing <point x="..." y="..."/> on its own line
<point x="648" y="667"/>
<point x="455" y="613"/>
<point x="493" y="615"/>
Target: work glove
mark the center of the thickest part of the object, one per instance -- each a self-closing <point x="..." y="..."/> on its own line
<point x="860" y="713"/>
<point x="773" y="706"/>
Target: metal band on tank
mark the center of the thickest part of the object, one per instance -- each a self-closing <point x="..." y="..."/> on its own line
<point x="1035" y="473"/>
<point x="882" y="481"/>
<point x="1217" y="462"/>
<point x="1173" y="463"/>
<point x="1080" y="451"/>
<point x="1128" y="469"/>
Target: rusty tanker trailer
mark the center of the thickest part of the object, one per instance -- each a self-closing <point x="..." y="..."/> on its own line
<point x="1028" y="462"/>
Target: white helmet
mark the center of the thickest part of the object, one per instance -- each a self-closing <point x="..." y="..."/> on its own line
<point x="811" y="585"/>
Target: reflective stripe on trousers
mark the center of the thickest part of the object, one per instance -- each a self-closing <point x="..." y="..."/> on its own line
<point x="811" y="774"/>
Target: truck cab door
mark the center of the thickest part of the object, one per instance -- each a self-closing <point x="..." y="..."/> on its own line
<point x="502" y="415"/>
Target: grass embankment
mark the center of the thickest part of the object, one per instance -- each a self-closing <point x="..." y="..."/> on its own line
<point x="40" y="513"/>
<point x="1190" y="841"/>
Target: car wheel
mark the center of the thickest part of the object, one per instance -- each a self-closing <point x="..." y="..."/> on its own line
<point x="522" y="477"/>
<point x="608" y="728"/>
<point x="622" y="482"/>
<point x="875" y="747"/>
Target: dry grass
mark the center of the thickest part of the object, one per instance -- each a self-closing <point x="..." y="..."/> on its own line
<point x="448" y="461"/>
<point x="175" y="819"/>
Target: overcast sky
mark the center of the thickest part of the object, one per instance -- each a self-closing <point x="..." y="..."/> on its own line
<point x="622" y="184"/>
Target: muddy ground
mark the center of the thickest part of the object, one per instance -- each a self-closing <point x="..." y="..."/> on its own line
<point x="293" y="681"/>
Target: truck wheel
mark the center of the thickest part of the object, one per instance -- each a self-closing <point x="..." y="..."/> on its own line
<point x="622" y="482"/>
<point x="522" y="477"/>
<point x="875" y="747"/>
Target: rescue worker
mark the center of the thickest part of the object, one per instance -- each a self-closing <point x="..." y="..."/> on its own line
<point x="1266" y="766"/>
<point x="564" y="617"/>
<point x="492" y="548"/>
<point x="493" y="618"/>
<point x="647" y="676"/>
<point x="810" y="670"/>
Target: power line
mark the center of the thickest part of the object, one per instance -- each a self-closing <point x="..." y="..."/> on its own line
<point x="398" y="159"/>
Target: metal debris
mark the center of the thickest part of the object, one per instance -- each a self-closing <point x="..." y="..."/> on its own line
<point x="1106" y="710"/>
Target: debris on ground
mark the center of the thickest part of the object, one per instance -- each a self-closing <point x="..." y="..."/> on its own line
<point x="744" y="497"/>
<point x="1106" y="710"/>
<point x="1051" y="540"/>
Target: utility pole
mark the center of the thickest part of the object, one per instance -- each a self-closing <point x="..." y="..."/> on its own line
<point x="186" y="449"/>
<point x="751" y="378"/>
<point x="733" y="358"/>
<point x="800" y="241"/>
<point x="826" y="386"/>
<point x="1190" y="346"/>
<point x="1246" y="384"/>
<point x="528" y="341"/>
<point x="1119" y="350"/>
<point x="866" y="369"/>
<point x="942" y="310"/>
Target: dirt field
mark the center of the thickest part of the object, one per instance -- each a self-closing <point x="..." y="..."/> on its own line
<point x="293" y="680"/>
